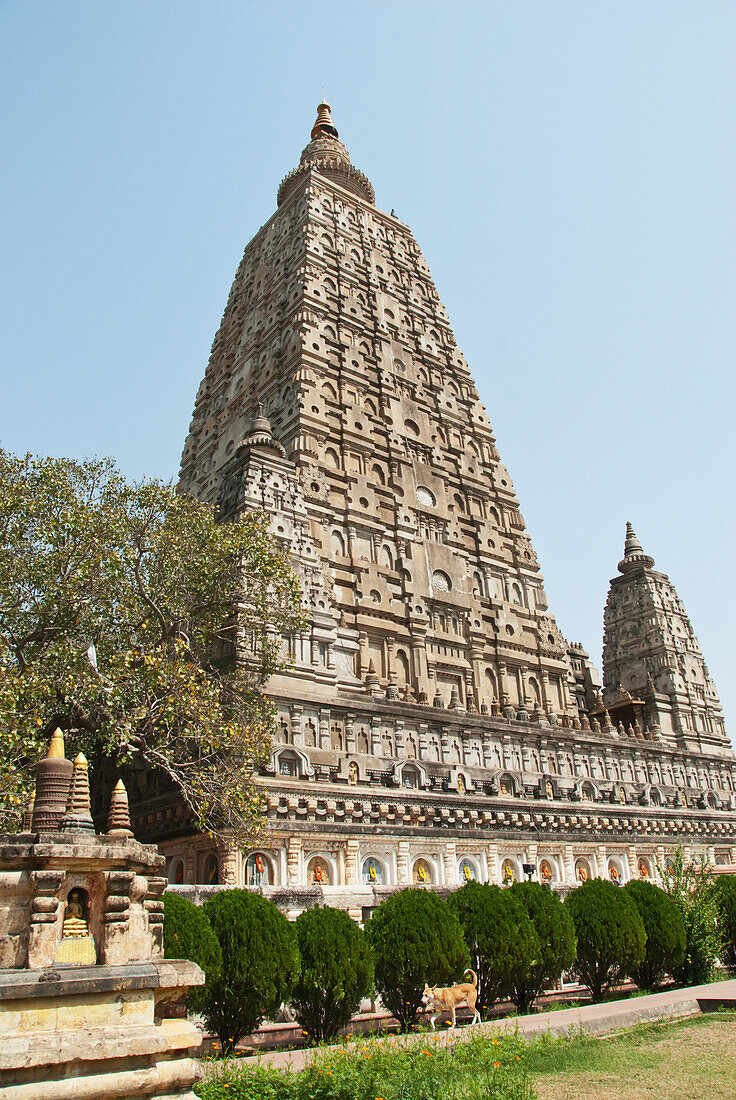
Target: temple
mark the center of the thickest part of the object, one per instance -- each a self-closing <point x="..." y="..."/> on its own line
<point x="434" y="725"/>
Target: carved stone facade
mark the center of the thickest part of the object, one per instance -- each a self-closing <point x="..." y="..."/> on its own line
<point x="435" y="724"/>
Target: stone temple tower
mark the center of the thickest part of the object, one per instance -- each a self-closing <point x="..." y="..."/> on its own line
<point x="434" y="725"/>
<point x="651" y="652"/>
<point x="375" y="456"/>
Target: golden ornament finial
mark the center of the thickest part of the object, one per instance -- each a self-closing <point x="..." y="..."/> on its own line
<point x="324" y="126"/>
<point x="56" y="746"/>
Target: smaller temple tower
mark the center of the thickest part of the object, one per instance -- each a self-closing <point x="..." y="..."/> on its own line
<point x="652" y="663"/>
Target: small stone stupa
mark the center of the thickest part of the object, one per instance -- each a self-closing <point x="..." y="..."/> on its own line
<point x="84" y="989"/>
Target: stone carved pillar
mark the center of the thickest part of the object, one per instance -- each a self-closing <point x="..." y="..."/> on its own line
<point x="350" y="733"/>
<point x="376" y="746"/>
<point x="403" y="870"/>
<point x="631" y="857"/>
<point x="227" y="860"/>
<point x="44" y="917"/>
<point x="352" y="868"/>
<point x="153" y="904"/>
<point x="503" y="685"/>
<point x="601" y="856"/>
<point x="494" y="874"/>
<point x="324" y="729"/>
<point x="297" y="734"/>
<point x="115" y="944"/>
<point x="294" y="860"/>
<point x="450" y="861"/>
<point x="568" y="860"/>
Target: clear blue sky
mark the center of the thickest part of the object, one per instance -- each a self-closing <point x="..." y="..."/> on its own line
<point x="568" y="169"/>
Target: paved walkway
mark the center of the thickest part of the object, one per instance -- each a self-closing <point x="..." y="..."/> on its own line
<point x="593" y="1019"/>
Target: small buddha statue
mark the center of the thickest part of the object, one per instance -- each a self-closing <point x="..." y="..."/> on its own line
<point x="75" y="923"/>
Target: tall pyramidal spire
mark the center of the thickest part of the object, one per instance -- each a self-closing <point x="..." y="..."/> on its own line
<point x="403" y="519"/>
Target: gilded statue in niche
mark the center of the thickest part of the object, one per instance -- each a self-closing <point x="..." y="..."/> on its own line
<point x="77" y="946"/>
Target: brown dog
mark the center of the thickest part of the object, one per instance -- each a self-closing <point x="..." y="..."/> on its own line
<point x="447" y="998"/>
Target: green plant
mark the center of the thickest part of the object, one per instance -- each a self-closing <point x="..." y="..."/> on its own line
<point x="555" y="933"/>
<point x="500" y="937"/>
<point x="188" y="935"/>
<point x="725" y="893"/>
<point x="610" y="934"/>
<point x="336" y="971"/>
<point x="416" y="938"/>
<point x="665" y="929"/>
<point x="689" y="884"/>
<point x="489" y="1067"/>
<point x="260" y="964"/>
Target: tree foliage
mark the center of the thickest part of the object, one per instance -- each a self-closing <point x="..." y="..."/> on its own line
<point x="556" y="942"/>
<point x="188" y="935"/>
<point x="500" y="938"/>
<point x="725" y="892"/>
<point x="689" y="884"/>
<point x="665" y="929"/>
<point x="116" y="624"/>
<point x="416" y="938"/>
<point x="336" y="971"/>
<point x="260" y="964"/>
<point x="610" y="934"/>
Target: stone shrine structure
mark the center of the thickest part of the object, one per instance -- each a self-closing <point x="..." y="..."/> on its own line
<point x="435" y="725"/>
<point x="87" y="1002"/>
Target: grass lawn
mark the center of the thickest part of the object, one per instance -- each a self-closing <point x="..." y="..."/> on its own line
<point x="691" y="1060"/>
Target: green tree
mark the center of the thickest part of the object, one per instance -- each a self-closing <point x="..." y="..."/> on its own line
<point x="689" y="884"/>
<point x="416" y="938"/>
<point x="665" y="929"/>
<point x="726" y="901"/>
<point x="116" y="624"/>
<point x="189" y="935"/>
<point x="610" y="934"/>
<point x="500" y="938"/>
<point x="556" y="948"/>
<point x="336" y="971"/>
<point x="260" y="964"/>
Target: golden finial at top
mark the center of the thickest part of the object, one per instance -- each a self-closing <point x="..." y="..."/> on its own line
<point x="56" y="746"/>
<point x="324" y="126"/>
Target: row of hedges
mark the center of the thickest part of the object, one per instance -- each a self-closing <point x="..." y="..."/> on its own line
<point x="517" y="941"/>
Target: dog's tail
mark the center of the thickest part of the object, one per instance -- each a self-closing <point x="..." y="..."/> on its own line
<point x="474" y="976"/>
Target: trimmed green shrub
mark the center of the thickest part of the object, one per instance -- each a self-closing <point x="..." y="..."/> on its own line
<point x="336" y="971"/>
<point x="556" y="942"/>
<point x="726" y="902"/>
<point x="260" y="964"/>
<point x="188" y="935"/>
<point x="500" y="938"/>
<point x="610" y="934"/>
<point x="416" y="938"/>
<point x="689" y="884"/>
<point x="665" y="929"/>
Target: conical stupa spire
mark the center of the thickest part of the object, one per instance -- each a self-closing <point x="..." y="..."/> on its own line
<point x="53" y="778"/>
<point x="634" y="555"/>
<point x="324" y="126"/>
<point x="118" y="818"/>
<point x="78" y="816"/>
